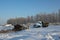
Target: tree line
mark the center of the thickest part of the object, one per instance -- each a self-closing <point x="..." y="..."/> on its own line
<point x="46" y="17"/>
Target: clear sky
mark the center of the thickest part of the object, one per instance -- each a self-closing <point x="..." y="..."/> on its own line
<point x="24" y="8"/>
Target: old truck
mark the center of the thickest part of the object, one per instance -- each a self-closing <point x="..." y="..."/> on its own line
<point x="40" y="24"/>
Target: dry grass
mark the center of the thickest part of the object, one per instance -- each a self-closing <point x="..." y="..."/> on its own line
<point x="6" y="31"/>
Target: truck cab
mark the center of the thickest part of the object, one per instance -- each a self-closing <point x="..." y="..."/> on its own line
<point x="38" y="24"/>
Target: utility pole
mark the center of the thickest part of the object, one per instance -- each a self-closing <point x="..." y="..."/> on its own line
<point x="59" y="15"/>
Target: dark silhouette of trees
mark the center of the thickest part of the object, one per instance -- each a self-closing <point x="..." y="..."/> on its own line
<point x="46" y="17"/>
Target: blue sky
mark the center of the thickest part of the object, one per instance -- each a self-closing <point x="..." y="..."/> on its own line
<point x="24" y="8"/>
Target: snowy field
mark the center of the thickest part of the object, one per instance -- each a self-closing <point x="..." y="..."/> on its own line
<point x="52" y="32"/>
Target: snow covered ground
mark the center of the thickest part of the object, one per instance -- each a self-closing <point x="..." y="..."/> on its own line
<point x="6" y="27"/>
<point x="51" y="32"/>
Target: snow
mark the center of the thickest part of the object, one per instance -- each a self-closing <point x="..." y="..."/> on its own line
<point x="6" y="27"/>
<point x="52" y="32"/>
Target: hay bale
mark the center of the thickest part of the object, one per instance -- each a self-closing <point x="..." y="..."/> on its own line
<point x="17" y="27"/>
